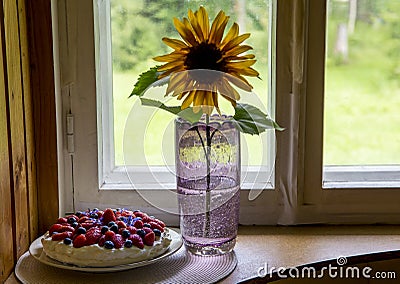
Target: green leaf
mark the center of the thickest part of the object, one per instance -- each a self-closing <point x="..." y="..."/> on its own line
<point x="249" y="119"/>
<point x="145" y="80"/>
<point x="186" y="114"/>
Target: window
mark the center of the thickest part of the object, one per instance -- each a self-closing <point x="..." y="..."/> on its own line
<point x="296" y="58"/>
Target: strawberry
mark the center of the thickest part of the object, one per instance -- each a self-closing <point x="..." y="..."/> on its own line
<point x="149" y="239"/>
<point x="159" y="222"/>
<point x="108" y="216"/>
<point x="62" y="220"/>
<point x="147" y="230"/>
<point x="155" y="225"/>
<point x="66" y="228"/>
<point x="138" y="224"/>
<point x="121" y="224"/>
<point x="83" y="219"/>
<point x="55" y="228"/>
<point x="109" y="235"/>
<point x="131" y="229"/>
<point x="72" y="216"/>
<point x="136" y="240"/>
<point x="140" y="214"/>
<point x="80" y="241"/>
<point x="100" y="213"/>
<point x="102" y="240"/>
<point x="61" y="236"/>
<point x="147" y="219"/>
<point x="92" y="236"/>
<point x="118" y="241"/>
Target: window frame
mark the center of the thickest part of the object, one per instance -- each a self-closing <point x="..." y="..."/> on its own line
<point x="299" y="85"/>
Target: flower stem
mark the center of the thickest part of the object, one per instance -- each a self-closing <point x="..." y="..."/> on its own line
<point x="208" y="189"/>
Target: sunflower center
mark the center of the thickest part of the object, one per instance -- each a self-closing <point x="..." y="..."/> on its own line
<point x="204" y="56"/>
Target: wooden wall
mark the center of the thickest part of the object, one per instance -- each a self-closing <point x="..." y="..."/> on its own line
<point x="28" y="149"/>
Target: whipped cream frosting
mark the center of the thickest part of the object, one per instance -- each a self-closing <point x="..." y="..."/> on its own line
<point x="97" y="256"/>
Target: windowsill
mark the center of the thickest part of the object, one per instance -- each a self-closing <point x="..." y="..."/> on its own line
<point x="316" y="246"/>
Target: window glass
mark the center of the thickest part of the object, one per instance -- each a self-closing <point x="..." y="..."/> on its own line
<point x="362" y="88"/>
<point x="137" y="28"/>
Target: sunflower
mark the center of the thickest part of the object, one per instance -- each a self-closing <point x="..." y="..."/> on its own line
<point x="205" y="49"/>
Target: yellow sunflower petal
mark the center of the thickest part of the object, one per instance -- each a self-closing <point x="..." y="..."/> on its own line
<point x="233" y="32"/>
<point x="176" y="80"/>
<point x="181" y="95"/>
<point x="237" y="50"/>
<point x="240" y="64"/>
<point x="249" y="72"/>
<point x="215" y="99"/>
<point x="174" y="43"/>
<point x="236" y="41"/>
<point x="186" y="34"/>
<point x="239" y="81"/>
<point x="169" y="57"/>
<point x="198" y="98"/>
<point x="170" y="65"/>
<point x="188" y="100"/>
<point x="202" y="18"/>
<point x="237" y="58"/>
<point x="208" y="103"/>
<point x="172" y="70"/>
<point x="216" y="25"/>
<point x="195" y="25"/>
<point x="220" y="32"/>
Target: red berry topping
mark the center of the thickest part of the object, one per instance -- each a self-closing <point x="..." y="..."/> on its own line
<point x="118" y="241"/>
<point x="55" y="228"/>
<point x="62" y="220"/>
<point x="83" y="219"/>
<point x="80" y="241"/>
<point x="136" y="240"/>
<point x="66" y="228"/>
<point x="159" y="222"/>
<point x="121" y="224"/>
<point x="147" y="230"/>
<point x="109" y="235"/>
<point x="149" y="239"/>
<point x="131" y="229"/>
<point x="88" y="224"/>
<point x="108" y="216"/>
<point x="138" y="224"/>
<point x="155" y="225"/>
<point x="102" y="240"/>
<point x="92" y="236"/>
<point x="61" y="236"/>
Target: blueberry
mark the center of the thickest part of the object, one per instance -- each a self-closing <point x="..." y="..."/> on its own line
<point x="67" y="241"/>
<point x="114" y="228"/>
<point x="141" y="233"/>
<point x="78" y="213"/>
<point x="111" y="224"/>
<point x="94" y="216"/>
<point x="157" y="232"/>
<point x="147" y="225"/>
<point x="74" y="225"/>
<point x="118" y="209"/>
<point x="135" y="219"/>
<point x="71" y="220"/>
<point x="122" y="218"/>
<point x="95" y="209"/>
<point x="128" y="244"/>
<point x="126" y="234"/>
<point x="81" y="230"/>
<point x="109" y="245"/>
<point x="104" y="229"/>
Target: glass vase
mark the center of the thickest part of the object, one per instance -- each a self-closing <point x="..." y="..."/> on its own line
<point x="208" y="180"/>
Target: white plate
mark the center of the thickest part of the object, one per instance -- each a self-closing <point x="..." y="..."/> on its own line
<point x="36" y="250"/>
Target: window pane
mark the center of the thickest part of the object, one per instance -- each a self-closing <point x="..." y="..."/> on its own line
<point x="137" y="29"/>
<point x="362" y="88"/>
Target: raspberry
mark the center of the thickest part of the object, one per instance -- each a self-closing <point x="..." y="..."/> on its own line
<point x="88" y="224"/>
<point x="108" y="216"/>
<point x="83" y="219"/>
<point x="140" y="214"/>
<point x="155" y="225"/>
<point x="61" y="236"/>
<point x="118" y="241"/>
<point x="131" y="229"/>
<point x="80" y="241"/>
<point x="147" y="230"/>
<point x="102" y="240"/>
<point x="136" y="241"/>
<point x="149" y="239"/>
<point x="138" y="224"/>
<point x="92" y="236"/>
<point x="147" y="219"/>
<point x="121" y="224"/>
<point x="62" y="220"/>
<point x="109" y="235"/>
<point x="55" y="228"/>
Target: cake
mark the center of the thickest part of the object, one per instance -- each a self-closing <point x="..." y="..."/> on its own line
<point x="96" y="238"/>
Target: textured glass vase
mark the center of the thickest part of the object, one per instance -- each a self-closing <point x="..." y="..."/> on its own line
<point x="208" y="180"/>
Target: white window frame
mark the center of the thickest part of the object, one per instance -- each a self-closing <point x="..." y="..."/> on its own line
<point x="298" y="197"/>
